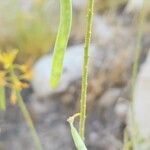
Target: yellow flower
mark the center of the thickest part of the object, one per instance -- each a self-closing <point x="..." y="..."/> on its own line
<point x="28" y="75"/>
<point x="24" y="85"/>
<point x="18" y="85"/>
<point x="27" y="72"/>
<point x="24" y="67"/>
<point x="7" y="58"/>
<point x="13" y="97"/>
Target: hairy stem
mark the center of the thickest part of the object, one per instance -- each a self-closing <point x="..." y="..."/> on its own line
<point x="85" y="68"/>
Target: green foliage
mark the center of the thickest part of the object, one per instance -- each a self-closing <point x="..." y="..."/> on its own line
<point x="136" y="136"/>
<point x="61" y="41"/>
<point x="27" y="28"/>
<point x="58" y="57"/>
<point x="10" y="79"/>
<point x="33" y="35"/>
<point x="75" y="135"/>
<point x="2" y="99"/>
<point x="141" y="21"/>
<point x="29" y="121"/>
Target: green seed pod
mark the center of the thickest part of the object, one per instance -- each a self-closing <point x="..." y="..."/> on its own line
<point x="61" y="41"/>
<point x="2" y="99"/>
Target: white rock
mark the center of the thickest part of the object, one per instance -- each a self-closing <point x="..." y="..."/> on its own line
<point x="134" y="5"/>
<point x="109" y="98"/>
<point x="142" y="99"/>
<point x="121" y="108"/>
<point x="79" y="4"/>
<point x="102" y="32"/>
<point x="72" y="71"/>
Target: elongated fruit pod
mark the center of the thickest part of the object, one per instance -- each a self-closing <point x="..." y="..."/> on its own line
<point x="61" y="41"/>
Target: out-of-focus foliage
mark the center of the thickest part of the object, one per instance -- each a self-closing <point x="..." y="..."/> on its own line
<point x="30" y="25"/>
<point x="102" y="5"/>
<point x="26" y="25"/>
<point x="12" y="76"/>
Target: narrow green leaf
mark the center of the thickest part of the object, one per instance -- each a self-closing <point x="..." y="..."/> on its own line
<point x="61" y="41"/>
<point x="75" y="135"/>
<point x="2" y="99"/>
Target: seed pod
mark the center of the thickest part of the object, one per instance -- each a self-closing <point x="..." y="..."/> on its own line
<point x="61" y="41"/>
<point x="2" y="99"/>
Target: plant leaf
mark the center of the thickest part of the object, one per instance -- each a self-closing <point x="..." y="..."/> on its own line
<point x="75" y="135"/>
<point x="61" y="41"/>
<point x="2" y="99"/>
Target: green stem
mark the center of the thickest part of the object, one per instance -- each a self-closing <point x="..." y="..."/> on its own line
<point x="29" y="121"/>
<point x="26" y="114"/>
<point x="2" y="98"/>
<point x="85" y="68"/>
<point x="142" y="18"/>
<point x="135" y="131"/>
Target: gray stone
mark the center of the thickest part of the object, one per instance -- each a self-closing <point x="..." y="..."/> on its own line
<point x="72" y="71"/>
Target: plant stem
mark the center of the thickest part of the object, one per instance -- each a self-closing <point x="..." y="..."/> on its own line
<point x="142" y="18"/>
<point x="2" y="98"/>
<point x="29" y="121"/>
<point x="136" y="135"/>
<point x="26" y="114"/>
<point x="85" y="68"/>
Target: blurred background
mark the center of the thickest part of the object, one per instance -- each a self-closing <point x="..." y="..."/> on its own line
<point x="120" y="32"/>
